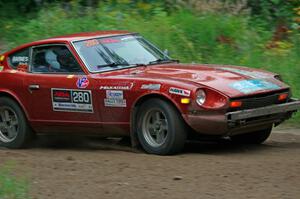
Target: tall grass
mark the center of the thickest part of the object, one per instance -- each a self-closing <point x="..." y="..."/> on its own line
<point x="10" y="186"/>
<point x="204" y="38"/>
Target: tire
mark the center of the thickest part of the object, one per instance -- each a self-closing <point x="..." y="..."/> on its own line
<point x="257" y="137"/>
<point x="160" y="128"/>
<point x="15" y="132"/>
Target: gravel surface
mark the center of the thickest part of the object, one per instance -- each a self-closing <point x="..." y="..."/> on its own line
<point x="81" y="168"/>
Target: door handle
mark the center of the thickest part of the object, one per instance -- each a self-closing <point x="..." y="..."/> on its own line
<point x="34" y="87"/>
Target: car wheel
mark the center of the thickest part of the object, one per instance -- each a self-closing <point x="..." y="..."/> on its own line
<point x="160" y="128"/>
<point x="14" y="130"/>
<point x="257" y="137"/>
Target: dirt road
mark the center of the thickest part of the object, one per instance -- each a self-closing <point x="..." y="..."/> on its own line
<point x="81" y="169"/>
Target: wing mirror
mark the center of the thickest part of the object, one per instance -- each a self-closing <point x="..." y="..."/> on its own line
<point x="166" y="53"/>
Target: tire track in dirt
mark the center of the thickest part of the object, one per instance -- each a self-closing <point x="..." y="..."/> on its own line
<point x="60" y="167"/>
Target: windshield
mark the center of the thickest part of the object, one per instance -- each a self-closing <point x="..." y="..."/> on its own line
<point x="117" y="52"/>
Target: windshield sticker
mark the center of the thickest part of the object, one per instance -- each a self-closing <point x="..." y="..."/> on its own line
<point x="68" y="100"/>
<point x="117" y="87"/>
<point x="82" y="82"/>
<point x="2" y="57"/>
<point x="109" y="40"/>
<point x="151" y="86"/>
<point x="91" y="42"/>
<point x="255" y="75"/>
<point x="16" y="59"/>
<point x="128" y="38"/>
<point x="22" y="67"/>
<point x="179" y="91"/>
<point x="113" y="102"/>
<point x="254" y="85"/>
<point x="1" y="68"/>
<point x="114" y="94"/>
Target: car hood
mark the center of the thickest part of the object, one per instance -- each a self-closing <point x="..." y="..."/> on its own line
<point x="233" y="81"/>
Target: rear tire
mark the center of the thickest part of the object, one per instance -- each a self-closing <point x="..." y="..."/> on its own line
<point x="160" y="128"/>
<point x="257" y="137"/>
<point x="15" y="132"/>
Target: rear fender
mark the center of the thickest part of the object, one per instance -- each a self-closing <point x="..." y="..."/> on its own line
<point x="12" y="95"/>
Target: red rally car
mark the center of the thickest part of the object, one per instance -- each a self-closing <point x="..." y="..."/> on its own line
<point x="116" y="83"/>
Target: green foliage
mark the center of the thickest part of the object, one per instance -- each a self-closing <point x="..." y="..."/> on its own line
<point x="205" y="38"/>
<point x="10" y="186"/>
<point x="278" y="11"/>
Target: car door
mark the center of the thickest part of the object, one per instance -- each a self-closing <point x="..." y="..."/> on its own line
<point x="60" y="93"/>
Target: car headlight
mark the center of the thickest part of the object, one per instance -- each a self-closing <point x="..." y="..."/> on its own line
<point x="208" y="98"/>
<point x="200" y="97"/>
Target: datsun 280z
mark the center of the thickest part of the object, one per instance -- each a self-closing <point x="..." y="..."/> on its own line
<point x="116" y="83"/>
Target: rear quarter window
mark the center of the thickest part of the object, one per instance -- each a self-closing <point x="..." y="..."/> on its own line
<point x="19" y="58"/>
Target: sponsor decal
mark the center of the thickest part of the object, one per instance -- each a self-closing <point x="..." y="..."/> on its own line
<point x="17" y="59"/>
<point x="114" y="102"/>
<point x="109" y="40"/>
<point x="2" y="57"/>
<point x="1" y="68"/>
<point x="114" y="98"/>
<point x="91" y="43"/>
<point x="254" y="75"/>
<point x="82" y="82"/>
<point x="253" y="85"/>
<point x="69" y="100"/>
<point x="179" y="91"/>
<point x="22" y="67"/>
<point x="117" y="87"/>
<point x="151" y="86"/>
<point x="114" y="94"/>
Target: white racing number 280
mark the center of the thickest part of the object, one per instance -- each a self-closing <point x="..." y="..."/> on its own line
<point x="69" y="100"/>
<point x="81" y="97"/>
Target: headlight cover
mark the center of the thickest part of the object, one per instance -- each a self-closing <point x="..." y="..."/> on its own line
<point x="200" y="97"/>
<point x="208" y="98"/>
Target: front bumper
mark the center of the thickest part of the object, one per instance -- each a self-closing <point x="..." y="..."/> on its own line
<point x="293" y="106"/>
<point x="244" y="121"/>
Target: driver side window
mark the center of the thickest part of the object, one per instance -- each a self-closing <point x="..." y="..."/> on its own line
<point x="54" y="59"/>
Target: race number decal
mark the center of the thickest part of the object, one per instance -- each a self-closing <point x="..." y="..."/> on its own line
<point x="72" y="100"/>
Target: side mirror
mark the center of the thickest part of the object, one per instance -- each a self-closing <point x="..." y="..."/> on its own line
<point x="166" y="53"/>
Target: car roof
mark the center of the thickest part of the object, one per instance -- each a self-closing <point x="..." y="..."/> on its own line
<point x="72" y="37"/>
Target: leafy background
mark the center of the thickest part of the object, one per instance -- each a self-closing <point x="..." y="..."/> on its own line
<point x="255" y="33"/>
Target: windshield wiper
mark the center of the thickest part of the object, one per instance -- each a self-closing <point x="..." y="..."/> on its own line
<point x="113" y="64"/>
<point x="160" y="61"/>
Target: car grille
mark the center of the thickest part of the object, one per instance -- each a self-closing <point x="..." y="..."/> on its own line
<point x="259" y="101"/>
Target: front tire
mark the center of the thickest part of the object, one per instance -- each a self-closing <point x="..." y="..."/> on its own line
<point x="14" y="130"/>
<point x="160" y="128"/>
<point x="256" y="137"/>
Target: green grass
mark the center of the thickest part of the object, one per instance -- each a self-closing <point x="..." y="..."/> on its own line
<point x="12" y="187"/>
<point x="188" y="36"/>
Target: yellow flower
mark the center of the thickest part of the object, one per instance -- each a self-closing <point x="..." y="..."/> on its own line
<point x="297" y="19"/>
